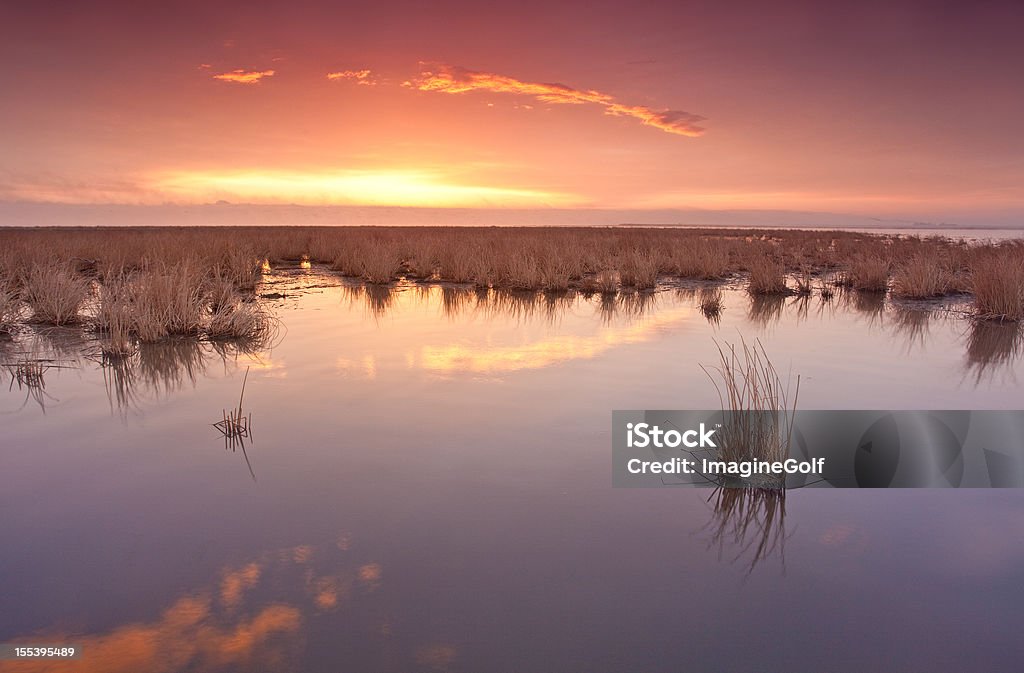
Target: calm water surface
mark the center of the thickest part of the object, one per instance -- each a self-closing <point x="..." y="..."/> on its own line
<point x="429" y="489"/>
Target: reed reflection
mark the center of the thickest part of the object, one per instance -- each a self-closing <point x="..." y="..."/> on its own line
<point x="766" y="310"/>
<point x="913" y="325"/>
<point x="27" y="358"/>
<point x="749" y="524"/>
<point x="992" y="346"/>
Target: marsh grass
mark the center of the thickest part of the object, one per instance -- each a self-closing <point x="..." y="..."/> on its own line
<point x="173" y="274"/>
<point x="10" y="308"/>
<point x="924" y="276"/>
<point x="866" y="273"/>
<point x="767" y="277"/>
<point x="758" y="410"/>
<point x="55" y="293"/>
<point x="997" y="282"/>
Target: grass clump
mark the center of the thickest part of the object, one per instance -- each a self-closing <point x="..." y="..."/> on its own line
<point x="767" y="276"/>
<point x="923" y="277"/>
<point x="867" y="273"/>
<point x="55" y="293"/>
<point x="10" y="307"/>
<point x="759" y="414"/>
<point x="997" y="282"/>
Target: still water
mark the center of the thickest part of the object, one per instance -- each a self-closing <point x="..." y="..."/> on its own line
<point x="429" y="489"/>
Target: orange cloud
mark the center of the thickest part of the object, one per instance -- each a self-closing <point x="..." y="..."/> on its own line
<point x="362" y="77"/>
<point x="244" y="76"/>
<point x="453" y="80"/>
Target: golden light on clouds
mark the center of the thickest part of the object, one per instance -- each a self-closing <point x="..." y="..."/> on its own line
<point x="360" y="76"/>
<point x="371" y="187"/>
<point x="455" y="80"/>
<point x="244" y="76"/>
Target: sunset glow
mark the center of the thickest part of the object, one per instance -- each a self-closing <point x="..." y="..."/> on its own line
<point x="401" y="188"/>
<point x="658" y="106"/>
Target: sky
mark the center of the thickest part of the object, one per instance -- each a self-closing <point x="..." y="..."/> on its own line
<point x="905" y="110"/>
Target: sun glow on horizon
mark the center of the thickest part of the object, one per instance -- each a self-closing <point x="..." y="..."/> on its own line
<point x="369" y="188"/>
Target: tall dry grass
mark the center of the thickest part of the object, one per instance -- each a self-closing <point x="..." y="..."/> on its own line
<point x="866" y="273"/>
<point x="172" y="270"/>
<point x="757" y="404"/>
<point x="997" y="282"/>
<point x="922" y="277"/>
<point x="767" y="276"/>
<point x="10" y="306"/>
<point x="55" y="293"/>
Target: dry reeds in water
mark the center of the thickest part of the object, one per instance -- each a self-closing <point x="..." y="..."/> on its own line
<point x="10" y="308"/>
<point x="231" y="317"/>
<point x="923" y="277"/>
<point x="758" y="412"/>
<point x="639" y="270"/>
<point x="114" y="318"/>
<point x="767" y="276"/>
<point x="55" y="293"/>
<point x="997" y="283"/>
<point x="866" y="273"/>
<point x="235" y="425"/>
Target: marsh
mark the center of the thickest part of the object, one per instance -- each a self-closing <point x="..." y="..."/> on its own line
<point x="428" y="487"/>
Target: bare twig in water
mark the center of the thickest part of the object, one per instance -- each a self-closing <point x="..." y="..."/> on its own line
<point x="236" y="426"/>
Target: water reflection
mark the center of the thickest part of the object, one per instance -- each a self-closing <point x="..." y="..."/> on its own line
<point x="548" y="351"/>
<point x="254" y="617"/>
<point x="28" y="358"/>
<point x="750" y="522"/>
<point x="912" y="324"/>
<point x="766" y="309"/>
<point x="871" y="305"/>
<point x="461" y="301"/>
<point x="992" y="347"/>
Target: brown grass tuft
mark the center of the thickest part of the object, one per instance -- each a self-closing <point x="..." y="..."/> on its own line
<point x="867" y="273"/>
<point x="923" y="277"/>
<point x="767" y="276"/>
<point x="55" y="293"/>
<point x="997" y="281"/>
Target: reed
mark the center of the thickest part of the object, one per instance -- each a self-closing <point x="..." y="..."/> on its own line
<point x="997" y="282"/>
<point x="758" y="412"/>
<point x="922" y="277"/>
<point x="639" y="270"/>
<point x="767" y="276"/>
<point x="867" y="273"/>
<point x="10" y="307"/>
<point x="235" y="425"/>
<point x="114" y="318"/>
<point x="55" y="293"/>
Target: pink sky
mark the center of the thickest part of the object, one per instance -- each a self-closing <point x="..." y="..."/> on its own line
<point x="903" y="110"/>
